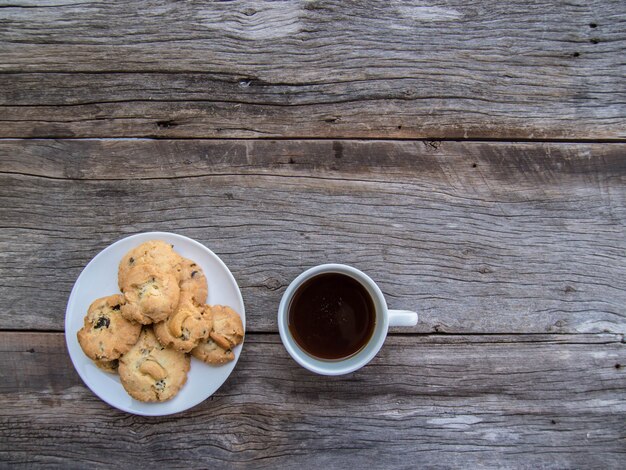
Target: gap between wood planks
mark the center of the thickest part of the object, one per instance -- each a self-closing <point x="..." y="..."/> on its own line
<point x="607" y="338"/>
<point x="426" y="140"/>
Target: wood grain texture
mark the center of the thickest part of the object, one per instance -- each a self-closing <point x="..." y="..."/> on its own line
<point x="477" y="237"/>
<point x="375" y="69"/>
<point x="484" y="402"/>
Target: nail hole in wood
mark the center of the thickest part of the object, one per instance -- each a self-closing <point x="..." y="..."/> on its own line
<point x="576" y="54"/>
<point x="593" y="25"/>
<point x="618" y="366"/>
<point x="594" y="40"/>
<point x="552" y="421"/>
<point x="291" y="160"/>
<point x="474" y="165"/>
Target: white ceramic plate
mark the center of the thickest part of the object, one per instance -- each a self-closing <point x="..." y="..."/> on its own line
<point x="99" y="279"/>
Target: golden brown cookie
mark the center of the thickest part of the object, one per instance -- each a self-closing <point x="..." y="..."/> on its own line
<point x="151" y="294"/>
<point x="226" y="333"/>
<point x="192" y="280"/>
<point x="154" y="252"/>
<point x="227" y="329"/>
<point x="106" y="334"/>
<point x="186" y="327"/>
<point x="150" y="372"/>
<point x="211" y="353"/>
<point x="108" y="366"/>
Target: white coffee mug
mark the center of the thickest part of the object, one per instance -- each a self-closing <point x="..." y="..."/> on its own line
<point x="384" y="319"/>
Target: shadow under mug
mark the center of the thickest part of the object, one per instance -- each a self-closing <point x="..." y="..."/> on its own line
<point x="384" y="319"/>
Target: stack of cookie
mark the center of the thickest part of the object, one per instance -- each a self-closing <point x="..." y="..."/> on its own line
<point x="148" y="333"/>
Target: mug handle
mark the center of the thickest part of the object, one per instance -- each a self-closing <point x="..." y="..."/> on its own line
<point x="402" y="318"/>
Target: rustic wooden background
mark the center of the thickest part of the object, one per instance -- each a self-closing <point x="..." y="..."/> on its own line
<point x="470" y="156"/>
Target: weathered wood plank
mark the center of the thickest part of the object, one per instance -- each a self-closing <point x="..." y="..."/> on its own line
<point x="299" y="69"/>
<point x="478" y="237"/>
<point x="484" y="402"/>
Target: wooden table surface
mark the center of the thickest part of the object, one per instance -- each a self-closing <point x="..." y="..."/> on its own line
<point x="469" y="156"/>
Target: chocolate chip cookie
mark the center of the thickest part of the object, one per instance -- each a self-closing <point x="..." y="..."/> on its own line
<point x="108" y="366"/>
<point x="106" y="334"/>
<point x="211" y="353"/>
<point x="154" y="253"/>
<point x="150" y="372"/>
<point x="186" y="327"/>
<point x="227" y="329"/>
<point x="226" y="333"/>
<point x="151" y="294"/>
<point x="192" y="280"/>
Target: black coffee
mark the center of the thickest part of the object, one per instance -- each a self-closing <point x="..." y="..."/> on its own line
<point x="332" y="316"/>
